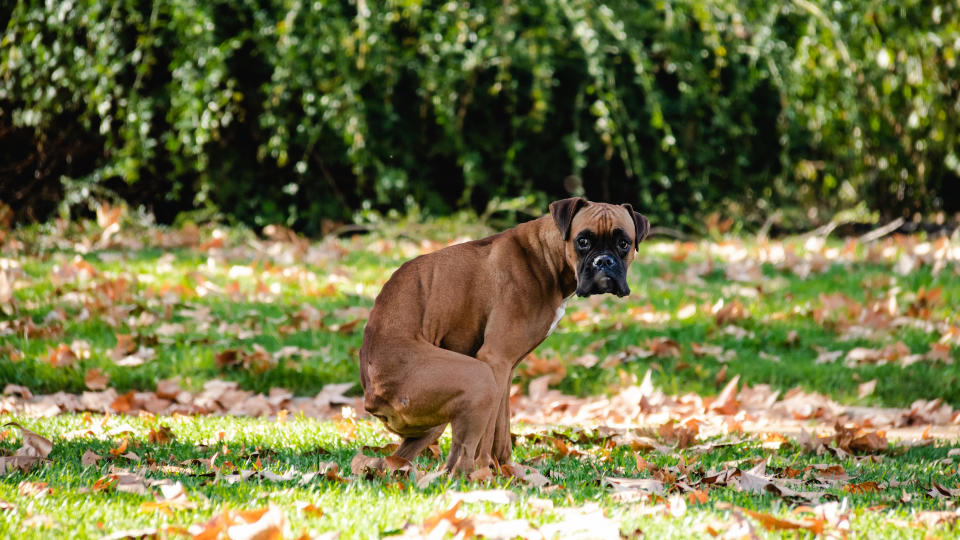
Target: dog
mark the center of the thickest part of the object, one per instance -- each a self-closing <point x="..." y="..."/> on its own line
<point x="448" y="328"/>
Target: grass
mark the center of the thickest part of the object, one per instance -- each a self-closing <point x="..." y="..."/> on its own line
<point x="250" y="293"/>
<point x="371" y="508"/>
<point x="353" y="280"/>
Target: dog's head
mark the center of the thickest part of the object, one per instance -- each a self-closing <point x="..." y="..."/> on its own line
<point x="600" y="241"/>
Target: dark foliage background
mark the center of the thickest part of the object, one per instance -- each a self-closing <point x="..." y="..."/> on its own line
<point x="297" y="112"/>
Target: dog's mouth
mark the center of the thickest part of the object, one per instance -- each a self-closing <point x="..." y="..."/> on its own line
<point x="602" y="282"/>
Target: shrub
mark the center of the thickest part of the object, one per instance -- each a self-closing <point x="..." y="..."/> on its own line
<point x="299" y="111"/>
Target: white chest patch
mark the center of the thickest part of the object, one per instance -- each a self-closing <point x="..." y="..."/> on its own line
<point x="556" y="319"/>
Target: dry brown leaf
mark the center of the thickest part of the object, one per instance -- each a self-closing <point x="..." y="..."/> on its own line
<point x="169" y="388"/>
<point x="811" y="442"/>
<point x="538" y="367"/>
<point x="859" y="356"/>
<point x="121" y="448"/>
<point x="481" y="475"/>
<point x="773" y="523"/>
<point x="825" y="473"/>
<point x="721" y="376"/>
<point x="123" y="403"/>
<point x="34" y="489"/>
<point x="867" y="388"/>
<point x="726" y="402"/>
<point x="430" y="478"/>
<point x="587" y="521"/>
<point x="497" y="496"/>
<point x="161" y="435"/>
<point x="126" y="344"/>
<point x="89" y="458"/>
<point x="629" y="488"/>
<point x="172" y="497"/>
<point x="941" y="491"/>
<point x="17" y="390"/>
<point x="725" y="314"/>
<point x="262" y="524"/>
<point x="387" y="449"/>
<point x="681" y="435"/>
<point x="697" y="496"/>
<point x="121" y="480"/>
<point x="370" y="467"/>
<point x="863" y="487"/>
<point x="773" y="441"/>
<point x="62" y="356"/>
<point x="326" y="469"/>
<point x="663" y="347"/>
<point x="526" y="474"/>
<point x="449" y="521"/>
<point x="257" y="361"/>
<point x="856" y="439"/>
<point x="96" y="379"/>
<point x="33" y="449"/>
<point x="33" y="444"/>
<point x="309" y="509"/>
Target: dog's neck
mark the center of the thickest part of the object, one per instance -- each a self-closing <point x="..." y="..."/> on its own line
<point x="551" y="251"/>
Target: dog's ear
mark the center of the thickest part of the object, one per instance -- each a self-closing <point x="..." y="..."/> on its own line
<point x="642" y="225"/>
<point x="563" y="212"/>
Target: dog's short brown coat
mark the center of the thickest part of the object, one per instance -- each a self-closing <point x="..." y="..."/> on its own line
<point x="449" y="327"/>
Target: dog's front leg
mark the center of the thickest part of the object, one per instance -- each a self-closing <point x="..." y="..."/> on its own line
<point x="487" y="450"/>
<point x="502" y="442"/>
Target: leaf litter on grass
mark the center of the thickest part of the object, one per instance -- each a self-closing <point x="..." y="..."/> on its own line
<point x="648" y="421"/>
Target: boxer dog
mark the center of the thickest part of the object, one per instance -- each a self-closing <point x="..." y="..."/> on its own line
<point x="449" y="327"/>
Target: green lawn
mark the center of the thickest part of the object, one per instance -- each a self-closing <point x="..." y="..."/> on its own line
<point x="220" y="303"/>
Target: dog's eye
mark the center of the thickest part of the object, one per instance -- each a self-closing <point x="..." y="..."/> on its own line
<point x="583" y="243"/>
<point x="623" y="244"/>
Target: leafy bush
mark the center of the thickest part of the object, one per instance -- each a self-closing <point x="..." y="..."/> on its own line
<point x="299" y="111"/>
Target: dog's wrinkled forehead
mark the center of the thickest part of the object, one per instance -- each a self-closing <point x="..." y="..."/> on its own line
<point x="602" y="219"/>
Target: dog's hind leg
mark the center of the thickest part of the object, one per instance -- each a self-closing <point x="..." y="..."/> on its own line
<point x="411" y="447"/>
<point x="417" y="388"/>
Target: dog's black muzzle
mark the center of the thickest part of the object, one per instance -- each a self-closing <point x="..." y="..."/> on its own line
<point x="601" y="274"/>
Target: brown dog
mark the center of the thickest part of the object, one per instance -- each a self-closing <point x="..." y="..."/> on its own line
<point x="448" y="328"/>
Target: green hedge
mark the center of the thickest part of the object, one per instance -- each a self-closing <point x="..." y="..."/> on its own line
<point x="294" y="111"/>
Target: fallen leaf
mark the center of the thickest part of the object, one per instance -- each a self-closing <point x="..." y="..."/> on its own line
<point x="369" y="467"/>
<point x="681" y="435"/>
<point x="121" y="480"/>
<point x="867" y="388"/>
<point x="863" y="487"/>
<point x="262" y="524"/>
<point x="498" y="496"/>
<point x="309" y="509"/>
<point x="172" y="497"/>
<point x="726" y="402"/>
<point x="773" y="523"/>
<point x="629" y="487"/>
<point x="430" y="478"/>
<point x="123" y="403"/>
<point x="721" y="376"/>
<point x="33" y="449"/>
<point x="859" y="440"/>
<point x="126" y="344"/>
<point x="587" y="521"/>
<point x="34" y="489"/>
<point x="528" y="475"/>
<point x="161" y="435"/>
<point x="96" y="379"/>
<point x="89" y="458"/>
<point x="62" y="356"/>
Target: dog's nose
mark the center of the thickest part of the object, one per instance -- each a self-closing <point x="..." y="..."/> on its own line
<point x="604" y="261"/>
